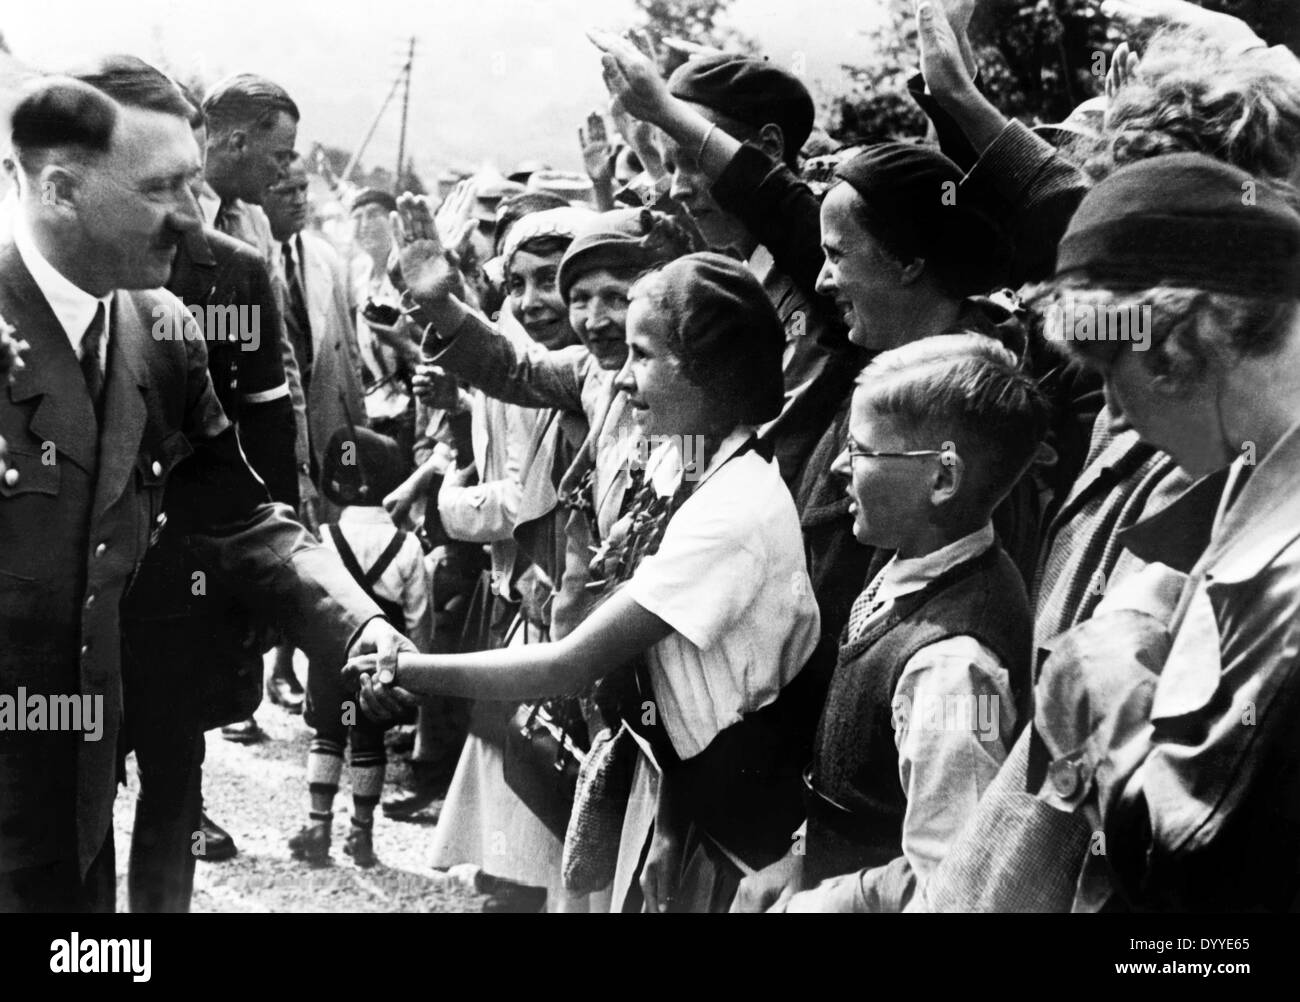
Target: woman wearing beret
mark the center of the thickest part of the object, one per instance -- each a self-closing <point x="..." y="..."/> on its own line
<point x="716" y="598"/>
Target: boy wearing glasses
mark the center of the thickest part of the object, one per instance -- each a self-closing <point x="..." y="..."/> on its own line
<point x="932" y="682"/>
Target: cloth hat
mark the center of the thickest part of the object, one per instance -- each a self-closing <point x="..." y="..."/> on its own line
<point x="750" y="90"/>
<point x="569" y="185"/>
<point x="1184" y="219"/>
<point x="525" y="169"/>
<point x="360" y="467"/>
<point x="622" y="238"/>
<point x="374" y="196"/>
<point x="491" y="189"/>
<point x="563" y="222"/>
<point x="727" y="325"/>
<point x="911" y="200"/>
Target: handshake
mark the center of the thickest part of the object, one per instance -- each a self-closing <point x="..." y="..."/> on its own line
<point x="372" y="665"/>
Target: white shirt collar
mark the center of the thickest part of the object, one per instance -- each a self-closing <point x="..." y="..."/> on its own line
<point x="665" y="461"/>
<point x="209" y="203"/>
<point x="760" y="263"/>
<point x="356" y="514"/>
<point x="903" y="577"/>
<point x="73" y="306"/>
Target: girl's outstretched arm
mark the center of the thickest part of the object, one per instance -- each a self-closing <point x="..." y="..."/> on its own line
<point x="614" y="634"/>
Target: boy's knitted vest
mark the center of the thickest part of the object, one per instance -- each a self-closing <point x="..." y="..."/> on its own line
<point x="855" y="802"/>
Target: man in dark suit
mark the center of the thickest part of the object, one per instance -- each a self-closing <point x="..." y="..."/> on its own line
<point x="109" y="416"/>
<point x="211" y="640"/>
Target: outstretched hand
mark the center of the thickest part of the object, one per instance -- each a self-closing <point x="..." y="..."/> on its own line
<point x="597" y="153"/>
<point x="1123" y="68"/>
<point x="455" y="221"/>
<point x="632" y="79"/>
<point x="427" y="269"/>
<point x="372" y="664"/>
<point x="943" y="64"/>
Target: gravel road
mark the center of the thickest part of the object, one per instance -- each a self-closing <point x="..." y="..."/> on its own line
<point x="259" y="794"/>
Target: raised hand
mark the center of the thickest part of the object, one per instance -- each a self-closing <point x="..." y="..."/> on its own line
<point x="958" y="13"/>
<point x="942" y="63"/>
<point x="597" y="153"/>
<point x="632" y="79"/>
<point x="428" y="270"/>
<point x="455" y="219"/>
<point x="1123" y="68"/>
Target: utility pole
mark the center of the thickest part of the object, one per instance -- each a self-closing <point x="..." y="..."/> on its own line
<point x="406" y="103"/>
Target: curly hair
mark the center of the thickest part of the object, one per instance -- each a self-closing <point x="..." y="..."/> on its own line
<point x="1191" y="329"/>
<point x="1193" y="95"/>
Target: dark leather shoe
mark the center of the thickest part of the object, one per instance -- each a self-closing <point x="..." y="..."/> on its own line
<point x="312" y="844"/>
<point x="515" y="899"/>
<point x="360" y="845"/>
<point x="406" y="805"/>
<point x="246" y="732"/>
<point x="281" y="693"/>
<point x="217" y="844"/>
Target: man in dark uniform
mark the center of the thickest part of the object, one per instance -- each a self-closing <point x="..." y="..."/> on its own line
<point x="112" y="429"/>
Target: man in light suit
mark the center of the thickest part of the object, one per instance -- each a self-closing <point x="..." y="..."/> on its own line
<point x="318" y="317"/>
<point x="109" y="414"/>
<point x="319" y="323"/>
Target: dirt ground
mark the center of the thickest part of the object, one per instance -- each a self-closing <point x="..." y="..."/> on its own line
<point x="258" y="793"/>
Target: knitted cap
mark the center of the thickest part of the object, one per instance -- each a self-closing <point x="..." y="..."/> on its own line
<point x="1184" y="219"/>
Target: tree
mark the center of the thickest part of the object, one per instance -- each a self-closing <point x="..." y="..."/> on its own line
<point x="876" y="107"/>
<point x="691" y="20"/>
<point x="1037" y="61"/>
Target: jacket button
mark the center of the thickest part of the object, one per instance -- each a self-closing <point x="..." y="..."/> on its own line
<point x="90" y="601"/>
<point x="157" y="468"/>
<point x="11" y="476"/>
<point x="85" y="650"/>
<point x="101" y="549"/>
<point x="1065" y="776"/>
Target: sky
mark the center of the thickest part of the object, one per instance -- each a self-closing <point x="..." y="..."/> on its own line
<point x="493" y="80"/>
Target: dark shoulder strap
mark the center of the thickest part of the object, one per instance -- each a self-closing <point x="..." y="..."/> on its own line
<point x="346" y="555"/>
<point x="393" y="548"/>
<point x="367" y="579"/>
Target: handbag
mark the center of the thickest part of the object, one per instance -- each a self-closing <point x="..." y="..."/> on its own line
<point x="542" y="759"/>
<point x="604" y="787"/>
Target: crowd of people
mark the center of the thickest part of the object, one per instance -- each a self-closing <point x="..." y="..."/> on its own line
<point x="915" y="533"/>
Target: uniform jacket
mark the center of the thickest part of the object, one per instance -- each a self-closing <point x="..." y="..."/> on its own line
<point x="220" y="271"/>
<point x="76" y="518"/>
